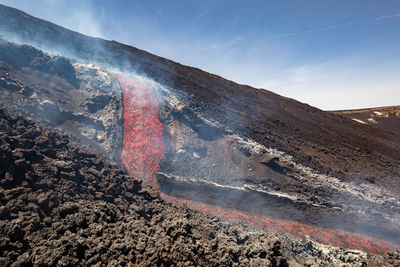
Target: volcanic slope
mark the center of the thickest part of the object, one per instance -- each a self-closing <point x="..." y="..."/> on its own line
<point x="78" y="99"/>
<point x="385" y="118"/>
<point x="225" y="145"/>
<point x="321" y="140"/>
<point x="62" y="205"/>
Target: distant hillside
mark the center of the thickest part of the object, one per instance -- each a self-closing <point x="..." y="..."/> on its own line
<point x="385" y="118"/>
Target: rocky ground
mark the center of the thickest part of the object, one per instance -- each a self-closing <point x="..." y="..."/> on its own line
<point x="385" y="118"/>
<point x="63" y="206"/>
<point x="78" y="99"/>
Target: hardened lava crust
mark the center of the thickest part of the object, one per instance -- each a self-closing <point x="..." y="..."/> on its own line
<point x="61" y="205"/>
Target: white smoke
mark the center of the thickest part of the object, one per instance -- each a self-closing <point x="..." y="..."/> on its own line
<point x="80" y="16"/>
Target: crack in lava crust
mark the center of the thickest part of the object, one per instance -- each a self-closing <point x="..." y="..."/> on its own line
<point x="143" y="148"/>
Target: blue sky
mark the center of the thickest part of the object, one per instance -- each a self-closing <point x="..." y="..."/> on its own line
<point x="338" y="54"/>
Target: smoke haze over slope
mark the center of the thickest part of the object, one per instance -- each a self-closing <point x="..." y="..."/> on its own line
<point x="330" y="55"/>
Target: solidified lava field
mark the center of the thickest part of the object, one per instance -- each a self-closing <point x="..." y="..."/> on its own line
<point x="143" y="149"/>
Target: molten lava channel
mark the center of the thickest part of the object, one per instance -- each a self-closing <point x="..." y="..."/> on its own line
<point x="143" y="148"/>
<point x="142" y="145"/>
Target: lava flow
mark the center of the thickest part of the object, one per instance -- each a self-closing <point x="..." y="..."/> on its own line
<point x="322" y="235"/>
<point x="142" y="146"/>
<point x="143" y="149"/>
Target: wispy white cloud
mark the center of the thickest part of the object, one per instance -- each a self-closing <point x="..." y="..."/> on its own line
<point x="332" y="27"/>
<point x="222" y="45"/>
<point x="386" y="17"/>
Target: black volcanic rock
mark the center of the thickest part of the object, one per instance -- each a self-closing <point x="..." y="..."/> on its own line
<point x="69" y="207"/>
<point x="24" y="56"/>
<point x="76" y="98"/>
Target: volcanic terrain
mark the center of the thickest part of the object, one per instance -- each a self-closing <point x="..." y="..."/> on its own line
<point x="231" y="151"/>
<point x="61" y="205"/>
<point x="385" y="118"/>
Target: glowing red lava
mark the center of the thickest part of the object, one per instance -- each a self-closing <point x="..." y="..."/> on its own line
<point x="143" y="149"/>
<point x="142" y="146"/>
<point x="322" y="235"/>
